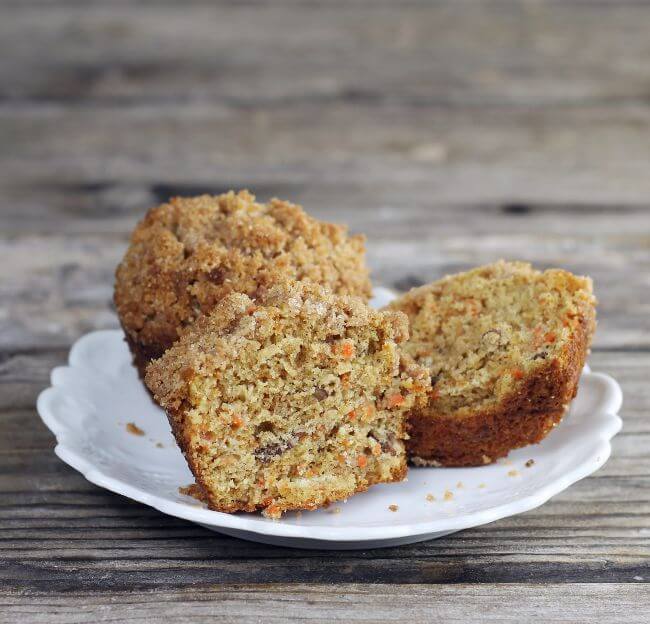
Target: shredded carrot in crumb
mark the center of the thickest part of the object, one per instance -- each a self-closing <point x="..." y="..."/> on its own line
<point x="352" y="415"/>
<point x="370" y="410"/>
<point x="362" y="461"/>
<point x="550" y="337"/>
<point x="251" y="309"/>
<point x="237" y="421"/>
<point x="517" y="373"/>
<point x="376" y="450"/>
<point x="341" y="459"/>
<point x="187" y="373"/>
<point x="347" y="350"/>
<point x="273" y="510"/>
<point x="345" y="379"/>
<point x="435" y="394"/>
<point x="260" y="482"/>
<point x="395" y="399"/>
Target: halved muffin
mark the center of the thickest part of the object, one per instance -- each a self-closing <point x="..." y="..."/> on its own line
<point x="188" y="254"/>
<point x="291" y="401"/>
<point x="505" y="345"/>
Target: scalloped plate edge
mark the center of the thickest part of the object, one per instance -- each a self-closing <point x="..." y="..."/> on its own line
<point x="359" y="534"/>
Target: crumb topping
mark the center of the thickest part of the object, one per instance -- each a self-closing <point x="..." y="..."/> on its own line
<point x="188" y="254"/>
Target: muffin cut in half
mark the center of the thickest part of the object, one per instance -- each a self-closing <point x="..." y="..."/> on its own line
<point x="505" y="345"/>
<point x="291" y="401"/>
<point x="188" y="254"/>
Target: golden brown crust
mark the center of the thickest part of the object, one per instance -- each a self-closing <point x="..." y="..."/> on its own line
<point x="188" y="254"/>
<point x="142" y="353"/>
<point x="525" y="417"/>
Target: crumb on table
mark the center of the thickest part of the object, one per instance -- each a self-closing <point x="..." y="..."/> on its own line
<point x="513" y="473"/>
<point x="134" y="429"/>
<point x="529" y="463"/>
<point x="448" y="495"/>
<point x="393" y="507"/>
<point x="430" y="497"/>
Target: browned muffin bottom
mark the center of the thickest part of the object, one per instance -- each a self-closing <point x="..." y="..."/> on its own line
<point x="505" y="346"/>
<point x="291" y="401"/>
<point x="188" y="254"/>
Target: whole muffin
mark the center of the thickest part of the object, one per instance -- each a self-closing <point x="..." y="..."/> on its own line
<point x="190" y="253"/>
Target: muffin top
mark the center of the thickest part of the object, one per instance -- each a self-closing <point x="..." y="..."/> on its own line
<point x="188" y="254"/>
<point x="484" y="332"/>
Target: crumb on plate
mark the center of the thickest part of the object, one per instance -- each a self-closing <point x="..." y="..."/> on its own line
<point x="194" y="490"/>
<point x="134" y="429"/>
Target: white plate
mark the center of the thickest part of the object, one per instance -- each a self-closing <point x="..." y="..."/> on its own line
<point x="92" y="400"/>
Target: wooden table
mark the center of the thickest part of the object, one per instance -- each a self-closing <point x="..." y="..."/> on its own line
<point x="452" y="133"/>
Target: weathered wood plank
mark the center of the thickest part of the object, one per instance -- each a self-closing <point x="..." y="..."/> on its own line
<point x="381" y="208"/>
<point x="585" y="155"/>
<point x="85" y="570"/>
<point x="409" y="53"/>
<point x="576" y="603"/>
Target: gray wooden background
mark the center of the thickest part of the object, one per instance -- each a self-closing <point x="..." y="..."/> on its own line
<point x="452" y="133"/>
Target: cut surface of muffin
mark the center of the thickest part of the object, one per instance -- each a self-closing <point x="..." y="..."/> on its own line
<point x="505" y="345"/>
<point x="290" y="401"/>
<point x="188" y="254"/>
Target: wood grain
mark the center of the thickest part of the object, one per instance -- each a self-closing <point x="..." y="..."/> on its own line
<point x="452" y="133"/>
<point x="348" y="602"/>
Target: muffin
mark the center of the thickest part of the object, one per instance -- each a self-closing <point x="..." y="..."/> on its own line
<point x="289" y="401"/>
<point x="190" y="253"/>
<point x="505" y="345"/>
